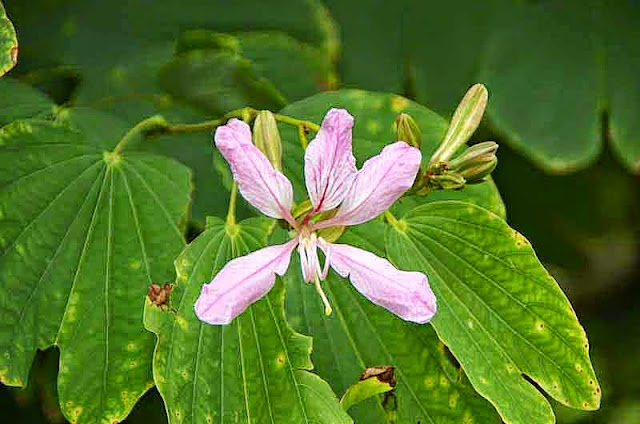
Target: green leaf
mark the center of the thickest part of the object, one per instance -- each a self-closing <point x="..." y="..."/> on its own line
<point x="360" y="334"/>
<point x="565" y="136"/>
<point x="552" y="68"/>
<point x="255" y="369"/>
<point x="83" y="233"/>
<point x="622" y="67"/>
<point x="374" y="128"/>
<point x="297" y="69"/>
<point x="499" y="311"/>
<point x="21" y="101"/>
<point x="218" y="81"/>
<point x="8" y="43"/>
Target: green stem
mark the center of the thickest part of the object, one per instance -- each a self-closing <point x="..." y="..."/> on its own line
<point x="302" y="135"/>
<point x="231" y="214"/>
<point x="150" y="124"/>
<point x="202" y="126"/>
<point x="297" y="122"/>
<point x="393" y="221"/>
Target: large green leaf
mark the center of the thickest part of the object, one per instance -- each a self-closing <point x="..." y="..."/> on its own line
<point x="8" y="43"/>
<point x="375" y="115"/>
<point x="83" y="233"/>
<point x="255" y="369"/>
<point x="360" y="334"/>
<point x="501" y="314"/>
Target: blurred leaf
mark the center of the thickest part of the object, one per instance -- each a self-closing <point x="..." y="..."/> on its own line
<point x="21" y="101"/>
<point x="84" y="232"/>
<point x="375" y="115"/>
<point x="544" y="74"/>
<point x="8" y="43"/>
<point x="489" y="283"/>
<point x="620" y="30"/>
<point x="255" y="369"/>
<point x="297" y="69"/>
<point x="360" y="334"/>
<point x="551" y="68"/>
<point x="218" y="81"/>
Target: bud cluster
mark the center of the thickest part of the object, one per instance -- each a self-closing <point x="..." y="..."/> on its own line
<point x="445" y="170"/>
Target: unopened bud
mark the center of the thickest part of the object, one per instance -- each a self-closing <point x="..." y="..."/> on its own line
<point x="267" y="138"/>
<point x="476" y="162"/>
<point x="408" y="130"/>
<point x="447" y="181"/>
<point x="463" y="124"/>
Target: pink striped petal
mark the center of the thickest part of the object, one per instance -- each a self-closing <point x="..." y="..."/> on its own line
<point x="258" y="181"/>
<point x="380" y="182"/>
<point x="241" y="282"/>
<point x="406" y="294"/>
<point x="329" y="164"/>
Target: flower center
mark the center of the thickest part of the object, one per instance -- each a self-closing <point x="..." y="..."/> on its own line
<point x="312" y="271"/>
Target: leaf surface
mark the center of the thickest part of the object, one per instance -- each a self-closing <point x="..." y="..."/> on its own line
<point x="500" y="312"/>
<point x="83" y="232"/>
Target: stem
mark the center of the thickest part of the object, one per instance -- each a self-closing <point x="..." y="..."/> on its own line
<point x="303" y="137"/>
<point x="400" y="226"/>
<point x="231" y="213"/>
<point x="205" y="126"/>
<point x="390" y="218"/>
<point x="297" y="122"/>
<point x="150" y="124"/>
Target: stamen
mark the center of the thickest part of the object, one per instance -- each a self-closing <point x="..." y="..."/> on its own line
<point x="326" y="248"/>
<point x="327" y="306"/>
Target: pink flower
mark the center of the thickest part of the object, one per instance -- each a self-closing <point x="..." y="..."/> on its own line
<point x="332" y="182"/>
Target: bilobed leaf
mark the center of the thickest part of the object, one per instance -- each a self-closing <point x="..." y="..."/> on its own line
<point x="83" y="232"/>
<point x="255" y="369"/>
<point x="360" y="334"/>
<point x="374" y="128"/>
<point x="499" y="311"/>
<point x="8" y="43"/>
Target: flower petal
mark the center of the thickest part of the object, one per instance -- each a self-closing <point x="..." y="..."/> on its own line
<point x="379" y="183"/>
<point x="406" y="294"/>
<point x="241" y="282"/>
<point x="259" y="182"/>
<point x="329" y="164"/>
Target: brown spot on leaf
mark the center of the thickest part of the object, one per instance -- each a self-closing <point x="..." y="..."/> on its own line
<point x="384" y="374"/>
<point x="14" y="55"/>
<point x="159" y="295"/>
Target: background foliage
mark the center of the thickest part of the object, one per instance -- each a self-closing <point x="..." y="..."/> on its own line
<point x="565" y="94"/>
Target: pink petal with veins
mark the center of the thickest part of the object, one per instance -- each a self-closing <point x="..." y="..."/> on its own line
<point x="258" y="181"/>
<point x="329" y="164"/>
<point x="380" y="182"/>
<point x="406" y="294"/>
<point x="241" y="282"/>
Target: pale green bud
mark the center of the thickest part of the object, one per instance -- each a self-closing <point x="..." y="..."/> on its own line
<point x="476" y="162"/>
<point x="267" y="138"/>
<point x="408" y="130"/>
<point x="463" y="124"/>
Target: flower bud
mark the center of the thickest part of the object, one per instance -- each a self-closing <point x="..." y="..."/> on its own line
<point x="408" y="130"/>
<point x="476" y="162"/>
<point x="463" y="124"/>
<point x="447" y="181"/>
<point x="267" y="138"/>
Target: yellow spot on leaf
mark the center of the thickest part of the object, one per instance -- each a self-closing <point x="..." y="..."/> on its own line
<point x="399" y="104"/>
